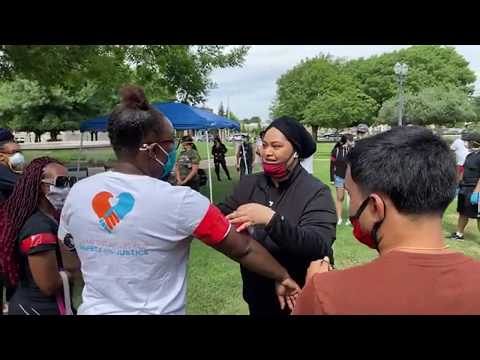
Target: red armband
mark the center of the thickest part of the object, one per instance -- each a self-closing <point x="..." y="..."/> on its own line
<point x="37" y="240"/>
<point x="213" y="228"/>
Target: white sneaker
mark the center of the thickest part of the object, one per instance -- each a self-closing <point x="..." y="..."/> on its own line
<point x="339" y="222"/>
<point x="348" y="223"/>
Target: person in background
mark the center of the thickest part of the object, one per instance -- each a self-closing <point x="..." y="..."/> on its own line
<point x="31" y="259"/>
<point x="286" y="209"/>
<point x="12" y="162"/>
<point x="461" y="152"/>
<point x="339" y="157"/>
<point x="468" y="202"/>
<point x="332" y="162"/>
<point x="244" y="157"/>
<point x="258" y="150"/>
<point x="399" y="214"/>
<point x="362" y="131"/>
<point x="187" y="164"/>
<point x="218" y="152"/>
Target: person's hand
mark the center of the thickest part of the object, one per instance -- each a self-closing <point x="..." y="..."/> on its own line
<point x="251" y="214"/>
<point x="317" y="267"/>
<point x="474" y="198"/>
<point x="287" y="292"/>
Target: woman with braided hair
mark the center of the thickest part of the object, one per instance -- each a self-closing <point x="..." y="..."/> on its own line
<point x="30" y="257"/>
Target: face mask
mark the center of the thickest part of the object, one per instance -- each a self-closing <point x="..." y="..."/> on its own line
<point x="56" y="196"/>
<point x="17" y="160"/>
<point x="171" y="159"/>
<point x="276" y="171"/>
<point x="367" y="238"/>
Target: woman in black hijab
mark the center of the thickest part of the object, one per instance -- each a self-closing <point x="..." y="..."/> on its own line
<point x="286" y="209"/>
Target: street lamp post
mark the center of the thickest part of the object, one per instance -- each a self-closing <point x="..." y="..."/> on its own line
<point x="401" y="71"/>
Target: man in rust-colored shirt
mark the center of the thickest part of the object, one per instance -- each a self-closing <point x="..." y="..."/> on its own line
<point x="400" y="182"/>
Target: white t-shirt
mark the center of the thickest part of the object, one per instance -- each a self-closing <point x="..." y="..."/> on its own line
<point x="131" y="235"/>
<point x="461" y="151"/>
<point x="308" y="164"/>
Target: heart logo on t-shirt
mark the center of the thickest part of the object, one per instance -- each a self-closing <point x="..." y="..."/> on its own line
<point x="110" y="209"/>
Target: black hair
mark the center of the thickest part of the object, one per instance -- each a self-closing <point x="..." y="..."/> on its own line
<point x="132" y="120"/>
<point x="345" y="138"/>
<point x="411" y="165"/>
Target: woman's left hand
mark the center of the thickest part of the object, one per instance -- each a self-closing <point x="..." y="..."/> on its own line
<point x="251" y="214"/>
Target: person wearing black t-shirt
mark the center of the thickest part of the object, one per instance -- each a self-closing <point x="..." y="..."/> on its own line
<point x="468" y="197"/>
<point x="339" y="157"/>
<point x="31" y="258"/>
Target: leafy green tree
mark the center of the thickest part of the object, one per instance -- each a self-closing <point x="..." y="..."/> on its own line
<point x="431" y="106"/>
<point x="429" y="66"/>
<point x="339" y="110"/>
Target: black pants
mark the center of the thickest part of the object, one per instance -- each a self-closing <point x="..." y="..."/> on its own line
<point x="223" y="163"/>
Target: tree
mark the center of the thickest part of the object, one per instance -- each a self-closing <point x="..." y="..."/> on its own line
<point x="167" y="72"/>
<point x="340" y="109"/>
<point x="429" y="66"/>
<point x="476" y="107"/>
<point x="307" y="81"/>
<point x="431" y="106"/>
<point x="301" y="91"/>
<point x="221" y="111"/>
<point x="27" y="106"/>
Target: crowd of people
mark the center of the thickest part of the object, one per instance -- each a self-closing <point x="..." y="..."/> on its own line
<point x="127" y="232"/>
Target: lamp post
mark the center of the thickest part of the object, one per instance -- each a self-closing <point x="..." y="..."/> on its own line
<point x="401" y="71"/>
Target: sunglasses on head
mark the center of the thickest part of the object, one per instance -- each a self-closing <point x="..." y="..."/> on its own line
<point x="63" y="181"/>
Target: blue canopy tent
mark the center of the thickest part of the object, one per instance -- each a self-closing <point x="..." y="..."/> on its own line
<point x="182" y="116"/>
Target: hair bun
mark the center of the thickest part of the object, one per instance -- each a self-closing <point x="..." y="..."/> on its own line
<point x="133" y="97"/>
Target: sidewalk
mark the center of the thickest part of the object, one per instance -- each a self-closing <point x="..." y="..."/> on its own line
<point x="64" y="145"/>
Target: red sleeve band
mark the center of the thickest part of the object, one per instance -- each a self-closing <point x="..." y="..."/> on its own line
<point x="37" y="240"/>
<point x="213" y="228"/>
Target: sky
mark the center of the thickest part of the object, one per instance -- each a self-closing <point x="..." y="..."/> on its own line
<point x="250" y="89"/>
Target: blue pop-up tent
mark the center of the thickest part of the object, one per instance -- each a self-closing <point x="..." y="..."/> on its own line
<point x="182" y="116"/>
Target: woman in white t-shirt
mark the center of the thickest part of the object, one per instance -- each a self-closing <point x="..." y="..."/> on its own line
<point x="132" y="229"/>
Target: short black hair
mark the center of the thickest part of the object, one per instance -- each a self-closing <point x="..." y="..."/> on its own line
<point x="411" y="165"/>
<point x="132" y="120"/>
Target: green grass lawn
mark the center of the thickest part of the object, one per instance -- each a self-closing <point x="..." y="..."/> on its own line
<point x="214" y="283"/>
<point x="98" y="156"/>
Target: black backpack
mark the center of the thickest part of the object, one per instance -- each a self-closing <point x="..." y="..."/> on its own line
<point x="202" y="177"/>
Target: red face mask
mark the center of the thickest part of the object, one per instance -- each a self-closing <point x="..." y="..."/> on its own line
<point x="366" y="238"/>
<point x="276" y="171"/>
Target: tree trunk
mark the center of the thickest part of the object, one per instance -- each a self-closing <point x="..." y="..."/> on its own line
<point x="38" y="136"/>
<point x="315" y="132"/>
<point x="54" y="135"/>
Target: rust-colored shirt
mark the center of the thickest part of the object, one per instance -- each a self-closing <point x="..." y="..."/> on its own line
<point x="397" y="283"/>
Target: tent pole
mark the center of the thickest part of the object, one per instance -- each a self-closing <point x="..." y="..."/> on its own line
<point x="209" y="170"/>
<point x="245" y="159"/>
<point x="80" y="152"/>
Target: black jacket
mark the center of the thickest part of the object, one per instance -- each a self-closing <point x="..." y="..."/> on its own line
<point x="218" y="153"/>
<point x="7" y="182"/>
<point x="302" y="230"/>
